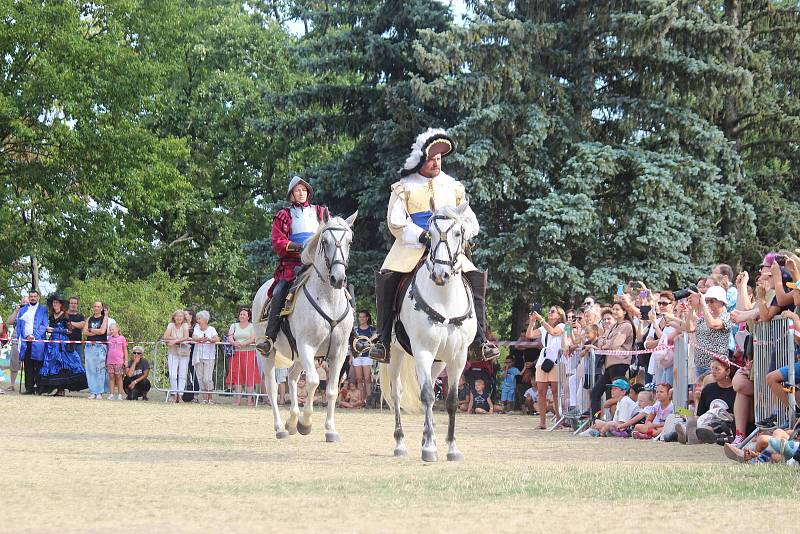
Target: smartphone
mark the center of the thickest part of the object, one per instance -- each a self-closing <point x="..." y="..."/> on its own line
<point x="620" y="290"/>
<point x="536" y="307"/>
<point x="644" y="295"/>
<point x="645" y="310"/>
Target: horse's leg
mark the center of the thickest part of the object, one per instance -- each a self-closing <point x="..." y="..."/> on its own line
<point x="332" y="392"/>
<point x="395" y="366"/>
<point x="312" y="382"/>
<point x="280" y="430"/>
<point x="454" y="370"/>
<point x="294" y="407"/>
<point x="424" y="361"/>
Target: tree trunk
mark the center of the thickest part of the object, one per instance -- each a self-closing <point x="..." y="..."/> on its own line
<point x="34" y="274"/>
<point x="519" y="317"/>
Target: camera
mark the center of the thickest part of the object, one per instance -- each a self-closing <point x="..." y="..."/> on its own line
<point x="683" y="293"/>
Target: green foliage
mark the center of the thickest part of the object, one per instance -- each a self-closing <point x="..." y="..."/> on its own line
<point x="142" y="307"/>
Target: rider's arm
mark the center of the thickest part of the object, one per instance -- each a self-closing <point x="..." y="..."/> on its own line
<point x="280" y="236"/>
<point x="400" y="223"/>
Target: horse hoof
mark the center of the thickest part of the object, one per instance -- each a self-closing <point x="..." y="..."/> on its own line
<point x="429" y="456"/>
<point x="281" y="434"/>
<point x="292" y="429"/>
<point x="303" y="429"/>
<point x="400" y="451"/>
<point x="455" y="457"/>
<point x="332" y="437"/>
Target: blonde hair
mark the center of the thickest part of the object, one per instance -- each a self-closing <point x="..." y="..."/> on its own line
<point x="177" y="312"/>
<point x="115" y="325"/>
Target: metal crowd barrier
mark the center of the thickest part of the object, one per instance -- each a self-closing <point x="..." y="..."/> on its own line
<point x="683" y="356"/>
<point x="248" y="368"/>
<point x="576" y="378"/>
<point x="773" y="348"/>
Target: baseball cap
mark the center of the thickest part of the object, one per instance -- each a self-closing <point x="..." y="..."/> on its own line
<point x="621" y="384"/>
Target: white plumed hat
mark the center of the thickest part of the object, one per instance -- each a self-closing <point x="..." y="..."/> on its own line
<point x="429" y="143"/>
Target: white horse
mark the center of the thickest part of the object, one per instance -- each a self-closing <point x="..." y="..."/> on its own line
<point x="321" y="323"/>
<point x="438" y="315"/>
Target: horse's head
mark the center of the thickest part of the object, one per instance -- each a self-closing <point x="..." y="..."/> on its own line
<point x="331" y="246"/>
<point x="447" y="243"/>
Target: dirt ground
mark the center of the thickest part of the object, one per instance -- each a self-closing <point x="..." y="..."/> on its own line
<point x="74" y="465"/>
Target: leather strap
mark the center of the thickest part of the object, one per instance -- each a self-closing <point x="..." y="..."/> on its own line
<point x="433" y="315"/>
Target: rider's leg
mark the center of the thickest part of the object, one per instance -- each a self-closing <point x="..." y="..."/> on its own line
<point x="386" y="283"/>
<point x="279" y="293"/>
<point x="480" y="345"/>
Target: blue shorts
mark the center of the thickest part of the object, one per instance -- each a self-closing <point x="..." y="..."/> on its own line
<point x="785" y="373"/>
<point x="507" y="395"/>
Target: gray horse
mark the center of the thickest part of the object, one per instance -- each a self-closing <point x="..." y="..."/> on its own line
<point x="321" y="322"/>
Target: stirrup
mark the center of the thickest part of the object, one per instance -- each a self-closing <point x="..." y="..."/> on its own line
<point x="379" y="352"/>
<point x="265" y="347"/>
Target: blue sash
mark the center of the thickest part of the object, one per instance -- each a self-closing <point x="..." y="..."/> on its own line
<point x="422" y="219"/>
<point x="301" y="237"/>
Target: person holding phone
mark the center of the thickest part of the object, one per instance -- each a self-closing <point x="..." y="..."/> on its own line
<point x="619" y="335"/>
<point x="551" y="332"/>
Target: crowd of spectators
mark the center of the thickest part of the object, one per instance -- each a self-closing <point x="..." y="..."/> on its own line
<point x="61" y="350"/>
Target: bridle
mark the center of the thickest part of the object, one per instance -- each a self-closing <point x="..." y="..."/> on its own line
<point x="452" y="260"/>
<point x="338" y="257"/>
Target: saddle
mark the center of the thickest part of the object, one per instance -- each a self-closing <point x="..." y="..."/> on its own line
<point x="302" y="277"/>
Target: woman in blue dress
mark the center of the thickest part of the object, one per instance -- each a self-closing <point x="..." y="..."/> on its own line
<point x="62" y="368"/>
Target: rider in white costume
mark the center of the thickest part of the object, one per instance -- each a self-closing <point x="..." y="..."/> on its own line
<point x="423" y="189"/>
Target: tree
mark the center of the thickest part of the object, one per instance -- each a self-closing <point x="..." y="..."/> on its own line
<point x="588" y="151"/>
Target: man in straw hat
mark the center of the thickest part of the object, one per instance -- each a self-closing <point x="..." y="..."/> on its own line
<point x="422" y="189"/>
<point x="291" y="228"/>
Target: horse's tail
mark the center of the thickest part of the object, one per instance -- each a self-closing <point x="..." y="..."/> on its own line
<point x="410" y="401"/>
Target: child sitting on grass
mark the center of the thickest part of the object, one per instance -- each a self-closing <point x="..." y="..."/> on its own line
<point x="464" y="395"/>
<point x="777" y="448"/>
<point x="481" y="402"/>
<point x="352" y="397"/>
<point x="625" y="409"/>
<point x="644" y="401"/>
<point x="657" y="414"/>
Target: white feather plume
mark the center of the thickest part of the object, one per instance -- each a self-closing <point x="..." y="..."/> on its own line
<point x="416" y="155"/>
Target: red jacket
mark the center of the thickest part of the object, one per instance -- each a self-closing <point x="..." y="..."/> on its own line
<point x="281" y="230"/>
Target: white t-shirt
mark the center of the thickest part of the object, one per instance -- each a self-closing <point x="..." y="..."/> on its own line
<point x="29" y="316"/>
<point x="652" y="367"/>
<point x="553" y="346"/>
<point x="626" y="408"/>
<point x="204" y="351"/>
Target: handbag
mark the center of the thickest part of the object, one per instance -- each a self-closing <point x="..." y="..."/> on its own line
<point x="547" y="364"/>
<point x="664" y="353"/>
<point x="184" y="350"/>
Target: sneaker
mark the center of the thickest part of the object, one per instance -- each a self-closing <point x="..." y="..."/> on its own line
<point x="768" y="422"/>
<point x="110" y="396"/>
<point x="120" y="397"/>
<point x="510" y="412"/>
<point x="590" y="433"/>
<point x="617" y="433"/>
<point x="738" y="440"/>
<point x="680" y="431"/>
<point x="91" y="396"/>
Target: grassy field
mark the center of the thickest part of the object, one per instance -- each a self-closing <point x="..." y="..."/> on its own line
<point x="97" y="466"/>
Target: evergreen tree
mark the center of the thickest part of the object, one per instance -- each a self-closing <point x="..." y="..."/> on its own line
<point x="589" y="154"/>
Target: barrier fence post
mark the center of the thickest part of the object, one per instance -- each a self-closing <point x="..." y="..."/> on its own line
<point x="680" y="392"/>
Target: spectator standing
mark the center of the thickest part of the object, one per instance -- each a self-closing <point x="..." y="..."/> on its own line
<point x="32" y="323"/>
<point x="244" y="368"/>
<point x="15" y="341"/>
<point x="551" y="332"/>
<point x="661" y="338"/>
<point x="712" y="329"/>
<point x="115" y="361"/>
<point x="96" y="331"/>
<point x="137" y="372"/>
<point x="360" y="362"/>
<point x="509" y="389"/>
<point x="204" y="356"/>
<point x="62" y="368"/>
<point x="617" y="336"/>
<point x="175" y="336"/>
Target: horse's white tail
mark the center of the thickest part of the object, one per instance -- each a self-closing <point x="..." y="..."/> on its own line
<point x="410" y="402"/>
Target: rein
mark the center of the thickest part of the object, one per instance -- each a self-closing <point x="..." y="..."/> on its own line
<point x="329" y="263"/>
<point x="433" y="315"/>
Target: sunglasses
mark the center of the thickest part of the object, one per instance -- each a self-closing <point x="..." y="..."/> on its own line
<point x="664" y="303"/>
<point x="135" y="352"/>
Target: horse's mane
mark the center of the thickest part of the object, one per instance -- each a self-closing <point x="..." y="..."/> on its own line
<point x="451" y="212"/>
<point x="307" y="257"/>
